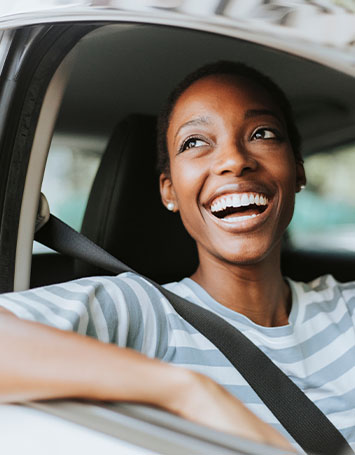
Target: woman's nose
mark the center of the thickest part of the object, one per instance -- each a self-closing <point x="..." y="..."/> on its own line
<point x="235" y="159"/>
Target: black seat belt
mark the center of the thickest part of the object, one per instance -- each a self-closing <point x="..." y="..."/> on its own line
<point x="303" y="420"/>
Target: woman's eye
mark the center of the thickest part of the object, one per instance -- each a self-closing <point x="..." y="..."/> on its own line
<point x="193" y="142"/>
<point x="265" y="133"/>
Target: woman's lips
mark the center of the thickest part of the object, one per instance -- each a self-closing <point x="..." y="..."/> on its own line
<point x="243" y="222"/>
<point x="240" y="206"/>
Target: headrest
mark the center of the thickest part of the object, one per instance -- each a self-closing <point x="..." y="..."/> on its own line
<point x="124" y="213"/>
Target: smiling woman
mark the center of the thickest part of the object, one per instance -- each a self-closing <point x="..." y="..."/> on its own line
<point x="233" y="173"/>
<point x="231" y="166"/>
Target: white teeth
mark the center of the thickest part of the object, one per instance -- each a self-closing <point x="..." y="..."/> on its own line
<point x="238" y="200"/>
<point x="238" y="218"/>
<point x="245" y="199"/>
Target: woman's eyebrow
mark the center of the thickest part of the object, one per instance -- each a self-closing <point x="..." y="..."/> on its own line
<point x="259" y="112"/>
<point x="195" y="121"/>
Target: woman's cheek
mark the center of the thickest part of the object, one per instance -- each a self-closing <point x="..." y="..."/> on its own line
<point x="188" y="178"/>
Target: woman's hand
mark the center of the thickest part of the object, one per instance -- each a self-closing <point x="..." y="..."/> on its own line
<point x="203" y="401"/>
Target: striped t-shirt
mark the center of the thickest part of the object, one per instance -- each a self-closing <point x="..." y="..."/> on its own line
<point x="316" y="349"/>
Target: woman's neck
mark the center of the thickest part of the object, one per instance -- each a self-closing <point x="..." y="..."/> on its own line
<point x="257" y="291"/>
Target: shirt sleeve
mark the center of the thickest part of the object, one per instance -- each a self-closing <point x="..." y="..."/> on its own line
<point x="348" y="292"/>
<point x="125" y="310"/>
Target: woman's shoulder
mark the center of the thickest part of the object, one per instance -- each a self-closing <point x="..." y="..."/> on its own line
<point x="323" y="284"/>
<point x="111" y="294"/>
<point x="325" y="292"/>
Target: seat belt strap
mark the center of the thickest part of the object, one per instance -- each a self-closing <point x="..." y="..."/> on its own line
<point x="303" y="420"/>
<point x="65" y="240"/>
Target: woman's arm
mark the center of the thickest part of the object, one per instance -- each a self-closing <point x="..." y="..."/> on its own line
<point x="39" y="362"/>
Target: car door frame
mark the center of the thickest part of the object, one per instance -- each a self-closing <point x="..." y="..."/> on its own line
<point x="33" y="57"/>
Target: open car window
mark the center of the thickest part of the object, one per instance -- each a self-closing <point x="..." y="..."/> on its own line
<point x="324" y="218"/>
<point x="95" y="102"/>
<point x="67" y="181"/>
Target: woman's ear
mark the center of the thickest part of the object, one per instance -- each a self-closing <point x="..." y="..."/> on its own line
<point x="167" y="193"/>
<point x="300" y="176"/>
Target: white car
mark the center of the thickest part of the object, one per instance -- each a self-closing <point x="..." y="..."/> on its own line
<point x="72" y="73"/>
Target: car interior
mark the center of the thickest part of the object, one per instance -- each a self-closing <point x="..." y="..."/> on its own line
<point x="120" y="76"/>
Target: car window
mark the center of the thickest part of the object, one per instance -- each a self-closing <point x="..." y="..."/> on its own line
<point x="324" y="218"/>
<point x="69" y="173"/>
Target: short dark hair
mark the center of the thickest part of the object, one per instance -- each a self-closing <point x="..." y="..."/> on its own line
<point x="235" y="69"/>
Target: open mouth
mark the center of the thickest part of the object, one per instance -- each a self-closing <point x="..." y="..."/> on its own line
<point x="239" y="206"/>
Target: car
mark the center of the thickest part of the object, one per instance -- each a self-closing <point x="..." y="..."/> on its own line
<point x="79" y="81"/>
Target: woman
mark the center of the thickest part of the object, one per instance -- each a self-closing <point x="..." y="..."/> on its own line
<point x="229" y="155"/>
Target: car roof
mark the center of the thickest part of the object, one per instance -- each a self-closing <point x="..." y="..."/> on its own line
<point x="321" y="31"/>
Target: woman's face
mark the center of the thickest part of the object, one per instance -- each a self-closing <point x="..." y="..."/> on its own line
<point x="233" y="172"/>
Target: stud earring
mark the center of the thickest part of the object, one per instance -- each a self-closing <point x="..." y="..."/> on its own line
<point x="302" y="187"/>
<point x="170" y="206"/>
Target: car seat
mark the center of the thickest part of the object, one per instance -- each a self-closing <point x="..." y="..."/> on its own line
<point x="124" y="213"/>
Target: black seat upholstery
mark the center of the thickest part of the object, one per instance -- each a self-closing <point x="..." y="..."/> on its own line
<point x="125" y="215"/>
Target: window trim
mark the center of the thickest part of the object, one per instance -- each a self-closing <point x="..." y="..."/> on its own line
<point x="39" y="152"/>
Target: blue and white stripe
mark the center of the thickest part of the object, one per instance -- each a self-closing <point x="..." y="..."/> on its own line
<point x="316" y="349"/>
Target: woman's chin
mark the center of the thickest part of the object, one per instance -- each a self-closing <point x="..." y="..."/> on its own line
<point x="246" y="252"/>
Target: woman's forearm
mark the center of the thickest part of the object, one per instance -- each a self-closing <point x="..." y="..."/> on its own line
<point x="39" y="362"/>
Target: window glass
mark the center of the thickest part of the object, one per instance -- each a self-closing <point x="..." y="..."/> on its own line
<point x="67" y="181"/>
<point x="324" y="217"/>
